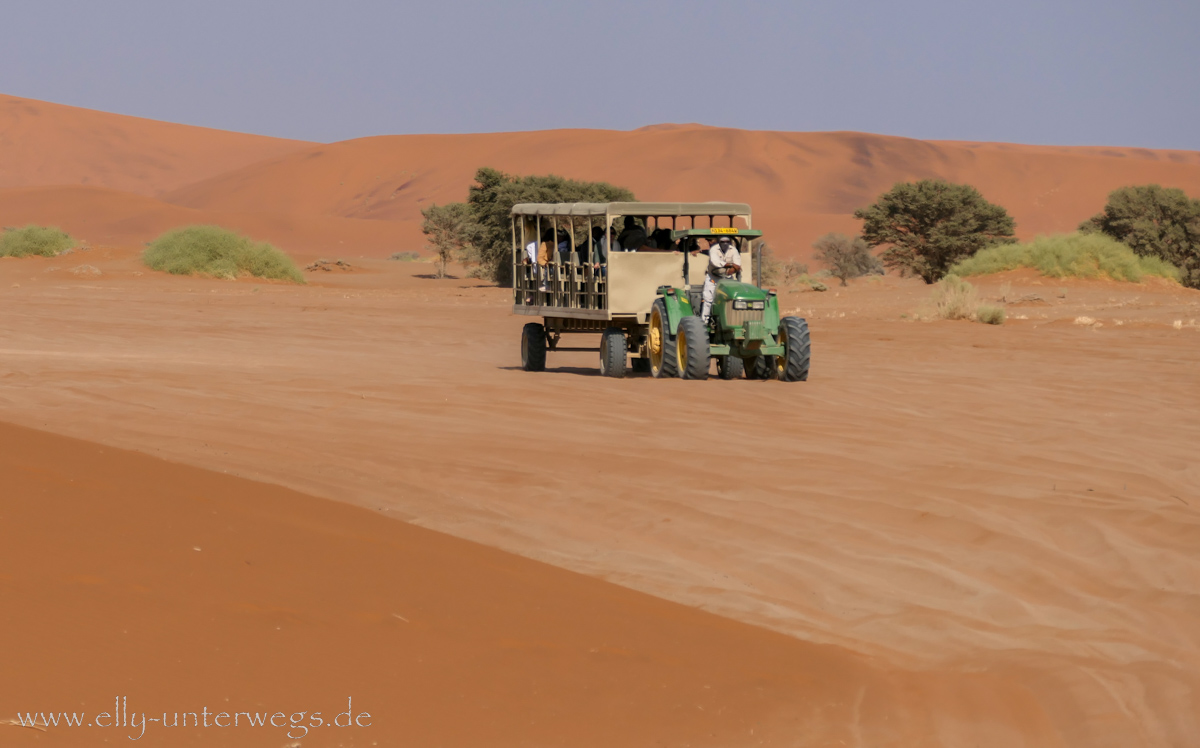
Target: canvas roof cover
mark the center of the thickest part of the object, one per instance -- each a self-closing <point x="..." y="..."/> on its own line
<point x="631" y="209"/>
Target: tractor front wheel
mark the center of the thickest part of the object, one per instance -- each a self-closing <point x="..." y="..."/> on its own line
<point x="730" y="367"/>
<point x="533" y="347"/>
<point x="612" y="353"/>
<point x="792" y="366"/>
<point x="691" y="346"/>
<point x="661" y="342"/>
<point x="760" y="367"/>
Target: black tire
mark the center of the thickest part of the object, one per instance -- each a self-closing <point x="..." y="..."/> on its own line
<point x="730" y="367"/>
<point x="691" y="346"/>
<point x="760" y="367"/>
<point x="661" y="343"/>
<point x="533" y="347"/>
<point x="792" y="366"/>
<point x="612" y="353"/>
<point x="640" y="365"/>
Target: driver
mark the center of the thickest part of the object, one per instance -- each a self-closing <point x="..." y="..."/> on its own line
<point x="724" y="261"/>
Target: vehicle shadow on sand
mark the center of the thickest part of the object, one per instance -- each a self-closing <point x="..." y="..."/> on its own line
<point x="581" y="371"/>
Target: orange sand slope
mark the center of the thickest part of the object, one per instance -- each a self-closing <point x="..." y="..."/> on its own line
<point x="43" y="143"/>
<point x="107" y="217"/>
<point x="178" y="590"/>
<point x="801" y="184"/>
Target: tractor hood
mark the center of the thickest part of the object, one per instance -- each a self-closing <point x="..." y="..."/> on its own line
<point x="728" y="290"/>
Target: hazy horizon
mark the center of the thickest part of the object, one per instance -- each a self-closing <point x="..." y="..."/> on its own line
<point x="1066" y="73"/>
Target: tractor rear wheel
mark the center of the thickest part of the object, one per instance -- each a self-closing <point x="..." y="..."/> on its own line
<point x="612" y="353"/>
<point x="730" y="367"/>
<point x="661" y="342"/>
<point x="792" y="366"/>
<point x="533" y="347"/>
<point x="691" y="346"/>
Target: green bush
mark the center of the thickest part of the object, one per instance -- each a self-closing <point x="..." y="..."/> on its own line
<point x="929" y="225"/>
<point x="44" y="241"/>
<point x="1068" y="255"/>
<point x="990" y="315"/>
<point x="218" y="253"/>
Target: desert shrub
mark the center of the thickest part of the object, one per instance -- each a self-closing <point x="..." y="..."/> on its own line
<point x="776" y="272"/>
<point x="990" y="315"/>
<point x="929" y="225"/>
<point x="43" y="241"/>
<point x="1068" y="255"/>
<point x="405" y="256"/>
<point x="451" y="232"/>
<point x="218" y="253"/>
<point x="954" y="298"/>
<point x="846" y="257"/>
<point x="1154" y="222"/>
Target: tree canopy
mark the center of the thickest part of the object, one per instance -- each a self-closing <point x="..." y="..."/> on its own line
<point x="1154" y="221"/>
<point x="480" y="229"/>
<point x="929" y="225"/>
<point x="846" y="257"/>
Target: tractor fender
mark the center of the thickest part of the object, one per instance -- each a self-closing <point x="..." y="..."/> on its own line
<point x="678" y="306"/>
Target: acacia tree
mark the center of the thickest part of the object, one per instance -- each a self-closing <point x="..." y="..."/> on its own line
<point x="846" y="257"/>
<point x="1154" y="222"/>
<point x="450" y="229"/>
<point x="929" y="225"/>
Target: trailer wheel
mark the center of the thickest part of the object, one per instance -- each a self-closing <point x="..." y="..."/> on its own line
<point x="760" y="367"/>
<point x="661" y="343"/>
<point x="612" y="353"/>
<point x="730" y="367"/>
<point x="533" y="347"/>
<point x="691" y="346"/>
<point x="792" y="366"/>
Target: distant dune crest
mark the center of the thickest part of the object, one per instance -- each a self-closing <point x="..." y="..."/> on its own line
<point x="366" y="194"/>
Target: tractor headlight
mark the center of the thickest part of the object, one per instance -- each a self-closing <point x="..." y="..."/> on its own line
<point x="739" y="304"/>
<point x="758" y="305"/>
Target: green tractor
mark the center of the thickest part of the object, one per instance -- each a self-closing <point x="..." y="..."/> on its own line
<point x="745" y="333"/>
<point x="645" y="301"/>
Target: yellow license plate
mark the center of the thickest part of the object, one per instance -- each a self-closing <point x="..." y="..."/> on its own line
<point x="724" y="231"/>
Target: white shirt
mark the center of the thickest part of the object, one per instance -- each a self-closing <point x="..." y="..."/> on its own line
<point x="718" y="258"/>
<point x="531" y="251"/>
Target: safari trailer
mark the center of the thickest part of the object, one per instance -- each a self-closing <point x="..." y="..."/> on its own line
<point x="645" y="304"/>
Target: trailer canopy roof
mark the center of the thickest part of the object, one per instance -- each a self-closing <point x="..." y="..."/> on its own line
<point x="631" y="209"/>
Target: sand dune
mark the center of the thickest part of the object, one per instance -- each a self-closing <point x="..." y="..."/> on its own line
<point x="43" y="144"/>
<point x="107" y="217"/>
<point x="297" y="194"/>
<point x="800" y="184"/>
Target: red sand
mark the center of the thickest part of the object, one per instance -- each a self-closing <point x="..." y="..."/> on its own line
<point x="178" y="589"/>
<point x="961" y="534"/>
<point x="44" y="144"/>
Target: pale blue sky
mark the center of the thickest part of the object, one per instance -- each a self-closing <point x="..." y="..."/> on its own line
<point x="1062" y="72"/>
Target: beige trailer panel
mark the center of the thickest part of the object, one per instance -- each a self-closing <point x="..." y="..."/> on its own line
<point x="634" y="279"/>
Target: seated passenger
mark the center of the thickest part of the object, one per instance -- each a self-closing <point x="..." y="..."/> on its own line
<point x="661" y="240"/>
<point x="545" y="256"/>
<point x="599" y="248"/>
<point x="564" y="246"/>
<point x="633" y="237"/>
